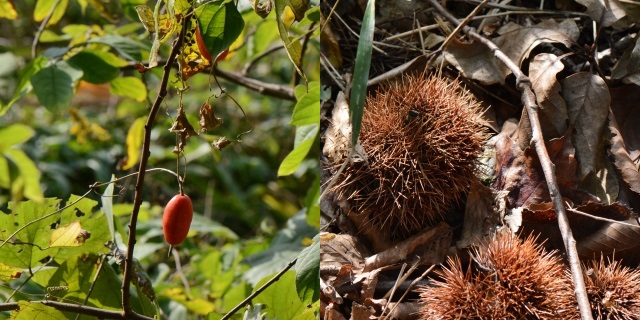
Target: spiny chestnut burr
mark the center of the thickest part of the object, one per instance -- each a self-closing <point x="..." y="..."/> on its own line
<point x="507" y="279"/>
<point x="613" y="290"/>
<point x="422" y="137"/>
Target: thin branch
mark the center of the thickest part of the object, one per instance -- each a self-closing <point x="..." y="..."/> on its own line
<point x="528" y="100"/>
<point x="43" y="25"/>
<point x="257" y="292"/>
<point x="70" y="307"/>
<point x="144" y="158"/>
<point x="265" y="88"/>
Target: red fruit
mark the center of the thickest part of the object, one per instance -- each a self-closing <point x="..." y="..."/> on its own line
<point x="176" y="219"/>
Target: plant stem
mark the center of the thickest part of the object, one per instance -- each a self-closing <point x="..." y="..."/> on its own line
<point x="144" y="158"/>
<point x="257" y="292"/>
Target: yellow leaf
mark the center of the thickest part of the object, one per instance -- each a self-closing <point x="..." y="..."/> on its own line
<point x="8" y="10"/>
<point x="8" y="273"/>
<point x="135" y="137"/>
<point x="66" y="236"/>
<point x="191" y="60"/>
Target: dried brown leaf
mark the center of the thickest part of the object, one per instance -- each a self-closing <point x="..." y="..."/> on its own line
<point x="588" y="102"/>
<point x="628" y="66"/>
<point x="623" y="162"/>
<point x="477" y="62"/>
<point x="337" y="250"/>
<point x="519" y="172"/>
<point x="604" y="12"/>
<point x="479" y="216"/>
<point x="624" y="105"/>
<point x="208" y="119"/>
<point x="430" y="245"/>
<point x="553" y="110"/>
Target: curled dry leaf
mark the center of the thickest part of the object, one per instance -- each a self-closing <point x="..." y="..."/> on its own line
<point x="628" y="66"/>
<point x="623" y="162"/>
<point x="519" y="172"/>
<point x="480" y="217"/>
<point x="183" y="129"/>
<point x="430" y="245"/>
<point x="208" y="119"/>
<point x="588" y="101"/>
<point x="477" y="62"/>
<point x="624" y="102"/>
<point x="553" y="110"/>
<point x="604" y="12"/>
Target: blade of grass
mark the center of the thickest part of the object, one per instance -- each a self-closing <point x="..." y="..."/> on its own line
<point x="361" y="72"/>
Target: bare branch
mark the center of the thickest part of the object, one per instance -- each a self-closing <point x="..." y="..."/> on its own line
<point x="144" y="158"/>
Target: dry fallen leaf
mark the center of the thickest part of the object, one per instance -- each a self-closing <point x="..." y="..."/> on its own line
<point x="604" y="12"/>
<point x="479" y="216"/>
<point x="623" y="162"/>
<point x="430" y="245"/>
<point x="476" y="61"/>
<point x="628" y="66"/>
<point x="588" y="102"/>
<point x="553" y="110"/>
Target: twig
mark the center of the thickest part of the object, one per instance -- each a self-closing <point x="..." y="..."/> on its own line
<point x="603" y="219"/>
<point x="268" y="89"/>
<point x="411" y="285"/>
<point x="257" y="292"/>
<point x="43" y="25"/>
<point x="70" y="307"/>
<point x="144" y="158"/>
<point x="528" y="99"/>
<point x="254" y="60"/>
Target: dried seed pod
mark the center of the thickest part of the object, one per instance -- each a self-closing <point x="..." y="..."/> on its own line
<point x="422" y="138"/>
<point x="512" y="279"/>
<point x="613" y="290"/>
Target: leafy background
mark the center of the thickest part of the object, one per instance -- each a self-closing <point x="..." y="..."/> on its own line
<point x="73" y="115"/>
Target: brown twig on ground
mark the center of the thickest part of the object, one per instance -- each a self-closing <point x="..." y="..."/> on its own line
<point x="144" y="158"/>
<point x="528" y="99"/>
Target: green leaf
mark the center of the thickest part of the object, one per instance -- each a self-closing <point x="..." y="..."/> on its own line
<point x="305" y="137"/>
<point x="281" y="298"/>
<point x="220" y="25"/>
<point x="361" y="71"/>
<point x="5" y="180"/>
<point x="126" y="47"/>
<point x="29" y="173"/>
<point x="82" y="211"/>
<point x="291" y="45"/>
<point x="196" y="305"/>
<point x="307" y="109"/>
<point x="130" y="87"/>
<point x="135" y="137"/>
<point x="43" y="9"/>
<point x="77" y="275"/>
<point x="107" y="206"/>
<point x="98" y="66"/>
<point x="24" y="85"/>
<point x="53" y="87"/>
<point x="28" y="248"/>
<point x="312" y="203"/>
<point x="308" y="273"/>
<point x="35" y="311"/>
<point x="14" y="134"/>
